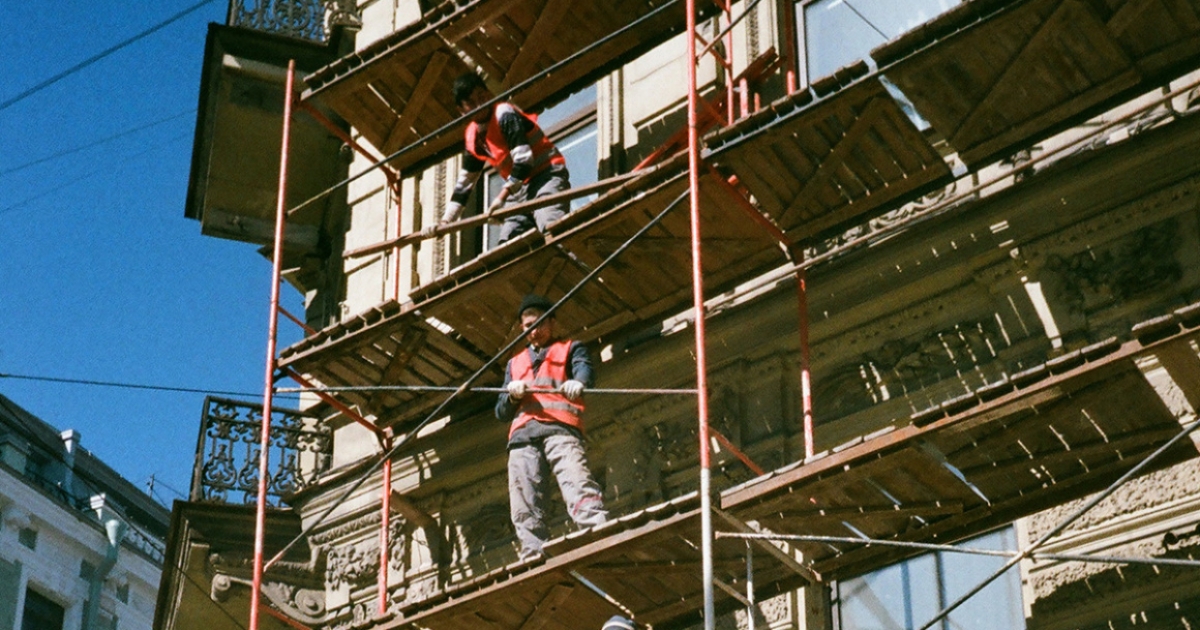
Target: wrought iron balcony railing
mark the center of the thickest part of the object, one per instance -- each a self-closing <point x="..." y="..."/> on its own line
<point x="227" y="453"/>
<point x="303" y="19"/>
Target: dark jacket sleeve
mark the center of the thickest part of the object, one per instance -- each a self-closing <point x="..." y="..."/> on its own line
<point x="516" y="128"/>
<point x="581" y="365"/>
<point x="505" y="408"/>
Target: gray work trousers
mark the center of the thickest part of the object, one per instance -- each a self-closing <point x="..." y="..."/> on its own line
<point x="553" y="180"/>
<point x="529" y="468"/>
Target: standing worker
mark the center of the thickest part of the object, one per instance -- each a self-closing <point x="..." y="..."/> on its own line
<point x="546" y="434"/>
<point x="511" y="142"/>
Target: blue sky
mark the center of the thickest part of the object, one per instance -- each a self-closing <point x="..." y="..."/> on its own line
<point x="101" y="276"/>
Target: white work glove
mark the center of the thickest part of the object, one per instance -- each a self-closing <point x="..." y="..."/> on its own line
<point x="512" y="184"/>
<point x="452" y="212"/>
<point x="572" y="389"/>
<point x="516" y="389"/>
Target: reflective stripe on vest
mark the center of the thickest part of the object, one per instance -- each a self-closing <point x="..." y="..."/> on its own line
<point x="499" y="155"/>
<point x="546" y="407"/>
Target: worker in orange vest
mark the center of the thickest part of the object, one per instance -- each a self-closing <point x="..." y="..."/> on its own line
<point x="544" y="385"/>
<point x="510" y="141"/>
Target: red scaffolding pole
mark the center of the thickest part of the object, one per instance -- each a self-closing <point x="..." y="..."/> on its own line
<point x="260" y="513"/>
<point x="706" y="528"/>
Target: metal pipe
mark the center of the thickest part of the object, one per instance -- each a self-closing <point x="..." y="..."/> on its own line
<point x="698" y="304"/>
<point x="480" y="219"/>
<point x="732" y="23"/>
<point x="603" y="595"/>
<point x="730" y="97"/>
<point x="478" y="373"/>
<point x="260" y="512"/>
<point x="791" y="57"/>
<point x="308" y="330"/>
<point x="737" y="452"/>
<point x="487" y="390"/>
<point x="503" y="95"/>
<point x="333" y="402"/>
<point x="1131" y="473"/>
<point x="1065" y="557"/>
<point x="750" y="586"/>
<point x="805" y="366"/>
<point x="392" y="177"/>
<point x="946" y="204"/>
<point x="385" y="509"/>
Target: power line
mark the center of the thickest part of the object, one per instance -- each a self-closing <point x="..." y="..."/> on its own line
<point x="66" y="152"/>
<point x="117" y="384"/>
<point x="101" y="55"/>
<point x="68" y="182"/>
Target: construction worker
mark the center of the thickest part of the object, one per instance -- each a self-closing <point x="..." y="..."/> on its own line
<point x="544" y="385"/>
<point x="510" y="141"/>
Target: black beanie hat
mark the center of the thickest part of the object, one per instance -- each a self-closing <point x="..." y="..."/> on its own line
<point x="534" y="300"/>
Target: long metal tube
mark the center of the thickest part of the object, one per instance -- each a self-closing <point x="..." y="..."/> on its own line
<point x="385" y="509"/>
<point x="1131" y="473"/>
<point x="477" y="374"/>
<point x="805" y="368"/>
<point x="867" y="542"/>
<point x="706" y="528"/>
<point x="423" y="140"/>
<point x="264" y="475"/>
<point x="624" y="391"/>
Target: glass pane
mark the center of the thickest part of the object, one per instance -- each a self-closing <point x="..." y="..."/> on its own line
<point x="569" y="106"/>
<point x="996" y="607"/>
<point x="580" y="150"/>
<point x="893" y="598"/>
<point x="839" y="32"/>
<point x="907" y="595"/>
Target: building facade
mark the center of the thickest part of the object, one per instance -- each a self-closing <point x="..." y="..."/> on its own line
<point x="991" y="204"/>
<point x="82" y="547"/>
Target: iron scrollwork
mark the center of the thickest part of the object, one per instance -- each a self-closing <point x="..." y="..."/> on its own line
<point x="227" y="463"/>
<point x="304" y="19"/>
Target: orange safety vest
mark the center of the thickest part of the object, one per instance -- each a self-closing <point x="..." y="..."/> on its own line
<point x="546" y="407"/>
<point x="499" y="156"/>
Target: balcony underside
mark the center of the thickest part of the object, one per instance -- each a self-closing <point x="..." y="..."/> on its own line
<point x="813" y="163"/>
<point x="872" y="143"/>
<point x="397" y="90"/>
<point x="1061" y="431"/>
<point x="991" y="76"/>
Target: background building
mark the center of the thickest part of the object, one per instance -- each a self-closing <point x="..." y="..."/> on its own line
<point x="81" y="546"/>
<point x="992" y="205"/>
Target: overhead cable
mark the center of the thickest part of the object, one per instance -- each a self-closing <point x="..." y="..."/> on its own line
<point x="96" y="383"/>
<point x="100" y="55"/>
<point x="66" y="152"/>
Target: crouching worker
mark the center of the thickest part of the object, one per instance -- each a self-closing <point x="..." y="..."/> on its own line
<point x="546" y="434"/>
<point x="510" y="141"/>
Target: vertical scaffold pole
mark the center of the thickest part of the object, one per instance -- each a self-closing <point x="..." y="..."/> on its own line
<point x="706" y="528"/>
<point x="260" y="514"/>
<point x="805" y="369"/>
<point x="790" y="54"/>
<point x="385" y="526"/>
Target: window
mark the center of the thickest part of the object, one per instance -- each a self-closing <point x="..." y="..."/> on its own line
<point x="41" y="613"/>
<point x="28" y="537"/>
<point x="907" y="595"/>
<point x="835" y="33"/>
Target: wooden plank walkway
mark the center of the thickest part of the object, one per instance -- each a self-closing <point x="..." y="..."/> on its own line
<point x="397" y="90"/>
<point x="993" y="76"/>
<point x="1011" y="450"/>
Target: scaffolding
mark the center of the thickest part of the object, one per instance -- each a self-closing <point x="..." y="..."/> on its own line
<point x="775" y="221"/>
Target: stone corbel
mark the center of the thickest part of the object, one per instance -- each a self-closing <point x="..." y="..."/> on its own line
<point x="306" y="606"/>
